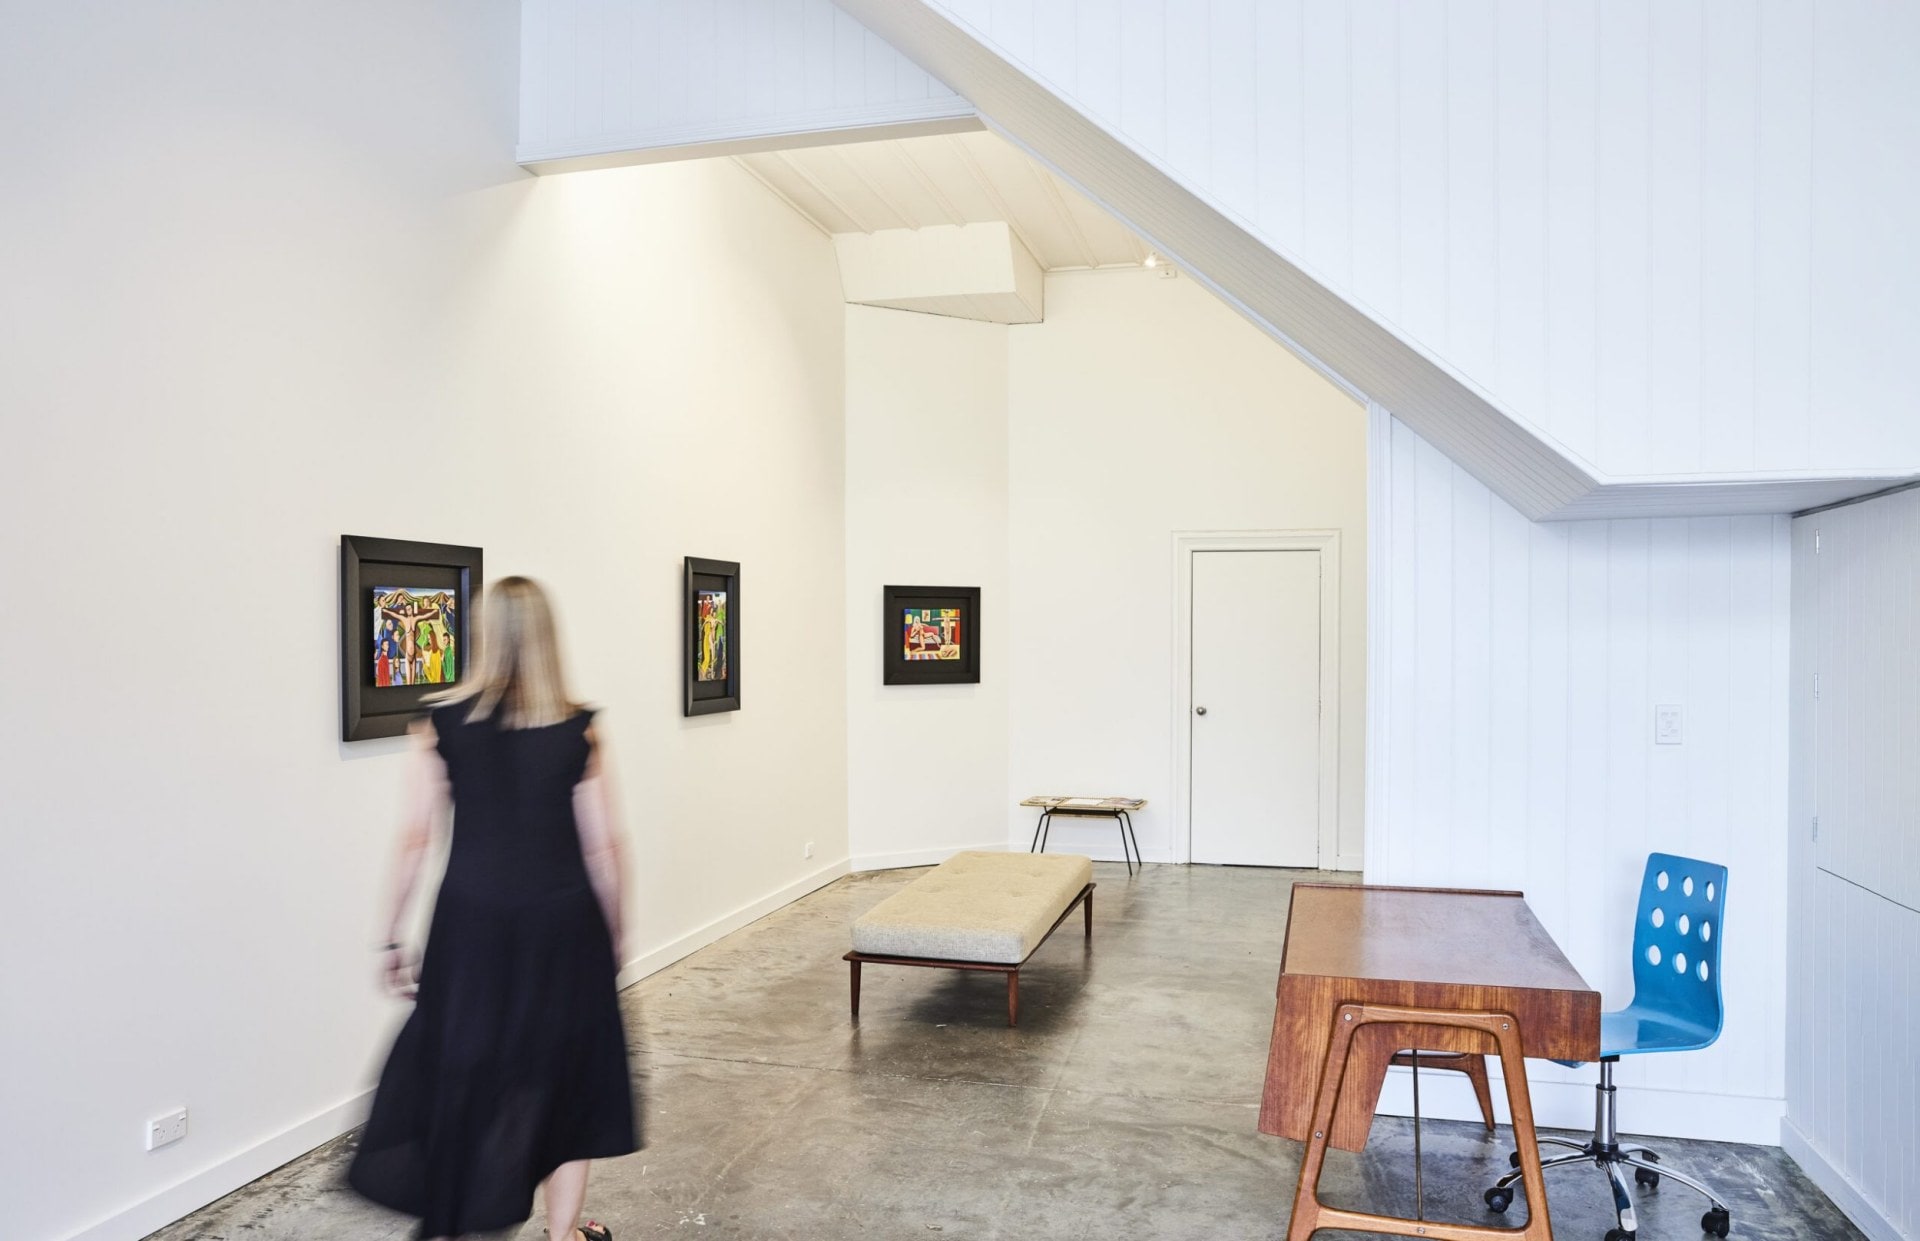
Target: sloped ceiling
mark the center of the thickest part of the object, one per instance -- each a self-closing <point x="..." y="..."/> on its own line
<point x="1541" y="478"/>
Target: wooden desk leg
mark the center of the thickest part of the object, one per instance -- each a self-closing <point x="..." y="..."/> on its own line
<point x="1013" y="1002"/>
<point x="1310" y="1215"/>
<point x="856" y="989"/>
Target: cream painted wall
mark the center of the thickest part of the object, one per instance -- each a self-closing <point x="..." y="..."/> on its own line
<point x="1141" y="407"/>
<point x="273" y="276"/>
<point x="926" y="506"/>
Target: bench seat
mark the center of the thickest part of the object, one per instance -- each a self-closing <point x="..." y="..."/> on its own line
<point x="975" y="911"/>
<point x="989" y="907"/>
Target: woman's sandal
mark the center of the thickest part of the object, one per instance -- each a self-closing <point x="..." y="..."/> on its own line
<point x="596" y="1232"/>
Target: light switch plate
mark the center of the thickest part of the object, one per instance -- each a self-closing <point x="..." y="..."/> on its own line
<point x="1666" y="725"/>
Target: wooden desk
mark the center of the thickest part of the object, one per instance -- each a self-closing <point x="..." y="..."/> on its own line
<point x="1369" y="971"/>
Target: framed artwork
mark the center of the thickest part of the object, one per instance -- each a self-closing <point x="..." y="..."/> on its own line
<point x="712" y="674"/>
<point x="930" y="635"/>
<point x="404" y="635"/>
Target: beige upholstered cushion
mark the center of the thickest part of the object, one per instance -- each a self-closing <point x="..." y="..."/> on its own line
<point x="991" y="907"/>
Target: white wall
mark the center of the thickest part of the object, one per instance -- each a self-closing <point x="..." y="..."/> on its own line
<point x="1854" y="918"/>
<point x="598" y="77"/>
<point x="1517" y="666"/>
<point x="273" y="276"/>
<point x="1143" y="407"/>
<point x="926" y="506"/>
<point x="1670" y="237"/>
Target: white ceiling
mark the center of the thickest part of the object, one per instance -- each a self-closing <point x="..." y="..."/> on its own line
<point x="966" y="178"/>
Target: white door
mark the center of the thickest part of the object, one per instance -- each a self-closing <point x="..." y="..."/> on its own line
<point x="1255" y="714"/>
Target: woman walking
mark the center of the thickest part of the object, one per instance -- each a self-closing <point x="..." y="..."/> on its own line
<point x="511" y="1071"/>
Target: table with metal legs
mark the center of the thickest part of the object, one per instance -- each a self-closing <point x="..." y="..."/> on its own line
<point x="1119" y="809"/>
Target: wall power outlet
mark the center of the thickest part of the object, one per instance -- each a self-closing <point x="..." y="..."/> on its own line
<point x="809" y="852"/>
<point x="168" y="1129"/>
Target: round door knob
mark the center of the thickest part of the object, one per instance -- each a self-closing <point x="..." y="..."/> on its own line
<point x="1199" y="710"/>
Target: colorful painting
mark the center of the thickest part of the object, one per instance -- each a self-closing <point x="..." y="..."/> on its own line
<point x="932" y="633"/>
<point x="413" y="636"/>
<point x="710" y="663"/>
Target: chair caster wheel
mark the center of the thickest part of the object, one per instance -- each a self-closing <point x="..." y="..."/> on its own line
<point x="1716" y="1222"/>
<point x="1513" y="1160"/>
<point x="1501" y="1199"/>
<point x="1646" y="1179"/>
<point x="1620" y="1234"/>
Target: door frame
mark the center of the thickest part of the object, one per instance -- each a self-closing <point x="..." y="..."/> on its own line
<point x="1326" y="543"/>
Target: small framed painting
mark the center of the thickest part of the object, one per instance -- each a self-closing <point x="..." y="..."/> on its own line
<point x="930" y="635"/>
<point x="404" y="612"/>
<point x="713" y="636"/>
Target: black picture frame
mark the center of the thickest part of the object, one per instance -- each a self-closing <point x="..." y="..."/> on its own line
<point x="368" y="710"/>
<point x="710" y="697"/>
<point x="896" y="668"/>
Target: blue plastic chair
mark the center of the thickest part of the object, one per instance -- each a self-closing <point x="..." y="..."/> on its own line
<point x="1676" y="1007"/>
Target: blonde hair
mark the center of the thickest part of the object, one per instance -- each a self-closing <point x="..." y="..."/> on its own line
<point x="518" y="669"/>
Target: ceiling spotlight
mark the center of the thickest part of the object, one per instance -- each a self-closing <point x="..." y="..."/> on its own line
<point x="1152" y="260"/>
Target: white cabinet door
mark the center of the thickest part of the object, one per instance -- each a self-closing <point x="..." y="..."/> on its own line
<point x="1256" y="708"/>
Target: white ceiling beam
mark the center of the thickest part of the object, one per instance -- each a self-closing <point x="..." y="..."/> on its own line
<point x="979" y="271"/>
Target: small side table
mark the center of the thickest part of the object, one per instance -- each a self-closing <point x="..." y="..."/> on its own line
<point x="1119" y="809"/>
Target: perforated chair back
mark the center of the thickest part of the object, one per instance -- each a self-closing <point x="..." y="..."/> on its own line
<point x="1676" y="941"/>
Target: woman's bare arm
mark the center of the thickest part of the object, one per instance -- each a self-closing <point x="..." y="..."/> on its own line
<point x="597" y="814"/>
<point x="423" y="811"/>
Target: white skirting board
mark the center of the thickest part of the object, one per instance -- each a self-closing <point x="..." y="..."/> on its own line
<point x="657" y="959"/>
<point x="1569" y="1105"/>
<point x="921" y="857"/>
<point x="1834" y="1183"/>
<point x="223" y="1177"/>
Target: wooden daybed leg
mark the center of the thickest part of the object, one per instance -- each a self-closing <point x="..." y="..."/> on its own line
<point x="1088" y="900"/>
<point x="855" y="966"/>
<point x="1013" y="997"/>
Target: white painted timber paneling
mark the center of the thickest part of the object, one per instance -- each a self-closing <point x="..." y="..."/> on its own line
<point x="1516" y="668"/>
<point x="1673" y="237"/>
<point x="604" y="83"/>
<point x="1628" y="305"/>
<point x="1853" y="1090"/>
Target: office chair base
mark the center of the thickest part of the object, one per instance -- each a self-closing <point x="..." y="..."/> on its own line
<point x="1606" y="1153"/>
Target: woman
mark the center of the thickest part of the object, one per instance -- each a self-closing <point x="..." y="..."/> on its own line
<point x="511" y="1071"/>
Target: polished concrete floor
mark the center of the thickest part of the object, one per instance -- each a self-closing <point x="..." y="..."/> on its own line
<point x="1123" y="1107"/>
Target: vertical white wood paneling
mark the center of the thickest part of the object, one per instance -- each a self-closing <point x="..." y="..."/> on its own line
<point x="1279" y="108"/>
<point x="1521" y="115"/>
<point x="1522" y="667"/>
<point x="1783" y="221"/>
<point x="1622" y="288"/>
<point x="1730" y="96"/>
<point x="1473" y="184"/>
<point x="1375" y="156"/>
<point x="1234" y="154"/>
<point x="1572" y="207"/>
<point x="1854" y="914"/>
<point x="1673" y="237"/>
<point x="1186" y="53"/>
<point x="1327" y="238"/>
<point x="602" y="76"/>
<point x="1420" y="96"/>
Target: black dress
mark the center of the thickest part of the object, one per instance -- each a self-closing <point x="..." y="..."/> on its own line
<point x="514" y="1060"/>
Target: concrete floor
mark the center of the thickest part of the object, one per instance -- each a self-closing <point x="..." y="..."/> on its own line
<point x="1124" y="1106"/>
